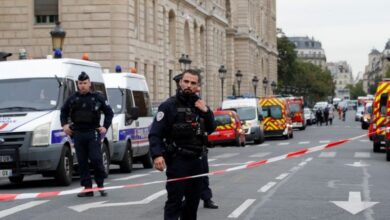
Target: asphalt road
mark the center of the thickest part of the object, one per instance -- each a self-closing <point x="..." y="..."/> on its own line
<point x="348" y="181"/>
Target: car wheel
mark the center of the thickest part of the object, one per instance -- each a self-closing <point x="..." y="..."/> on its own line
<point x="126" y="164"/>
<point x="16" y="179"/>
<point x="376" y="147"/>
<point x="147" y="161"/>
<point x="64" y="172"/>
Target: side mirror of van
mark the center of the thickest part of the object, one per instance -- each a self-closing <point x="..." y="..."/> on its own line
<point x="133" y="114"/>
<point x="260" y="117"/>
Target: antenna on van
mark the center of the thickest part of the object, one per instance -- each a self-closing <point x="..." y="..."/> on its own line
<point x="122" y="91"/>
<point x="59" y="81"/>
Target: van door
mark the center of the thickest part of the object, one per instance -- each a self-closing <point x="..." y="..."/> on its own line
<point x="142" y="124"/>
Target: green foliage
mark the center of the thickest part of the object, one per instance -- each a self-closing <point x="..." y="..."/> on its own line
<point x="356" y="90"/>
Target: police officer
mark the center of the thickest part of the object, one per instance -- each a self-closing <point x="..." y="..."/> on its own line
<point x="84" y="109"/>
<point x="206" y="193"/>
<point x="178" y="139"/>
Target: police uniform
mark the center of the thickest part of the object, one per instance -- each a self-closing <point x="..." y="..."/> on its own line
<point x="84" y="110"/>
<point x="179" y="133"/>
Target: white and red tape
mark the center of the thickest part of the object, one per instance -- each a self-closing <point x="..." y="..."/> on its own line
<point x="9" y="197"/>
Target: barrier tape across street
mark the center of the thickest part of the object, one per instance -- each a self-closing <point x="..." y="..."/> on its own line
<point x="40" y="195"/>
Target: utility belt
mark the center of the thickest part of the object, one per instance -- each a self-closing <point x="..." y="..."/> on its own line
<point x="190" y="151"/>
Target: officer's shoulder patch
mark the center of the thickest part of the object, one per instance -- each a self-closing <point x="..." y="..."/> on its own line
<point x="159" y="116"/>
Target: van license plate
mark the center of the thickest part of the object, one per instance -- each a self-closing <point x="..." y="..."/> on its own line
<point x="6" y="158"/>
<point x="5" y="173"/>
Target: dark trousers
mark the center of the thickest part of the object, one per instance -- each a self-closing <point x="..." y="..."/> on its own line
<point x="206" y="193"/>
<point x="88" y="146"/>
<point x="190" y="189"/>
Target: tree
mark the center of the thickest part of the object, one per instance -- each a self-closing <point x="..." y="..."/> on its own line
<point x="286" y="60"/>
<point x="356" y="90"/>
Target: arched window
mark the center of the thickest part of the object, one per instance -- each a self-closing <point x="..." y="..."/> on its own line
<point x="172" y="33"/>
<point x="196" y="42"/>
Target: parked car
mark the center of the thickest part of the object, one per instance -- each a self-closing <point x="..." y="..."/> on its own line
<point x="229" y="129"/>
<point x="321" y="105"/>
<point x="366" y="119"/>
<point x="309" y="116"/>
<point x="359" y="113"/>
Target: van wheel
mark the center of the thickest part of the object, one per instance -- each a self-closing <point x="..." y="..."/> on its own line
<point x="106" y="159"/>
<point x="376" y="147"/>
<point x="16" y="179"/>
<point x="64" y="172"/>
<point x="147" y="161"/>
<point x="126" y="164"/>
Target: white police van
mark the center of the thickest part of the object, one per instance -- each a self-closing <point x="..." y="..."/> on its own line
<point x="128" y="94"/>
<point x="250" y="113"/>
<point x="32" y="140"/>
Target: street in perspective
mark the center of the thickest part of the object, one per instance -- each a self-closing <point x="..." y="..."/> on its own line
<point x="342" y="182"/>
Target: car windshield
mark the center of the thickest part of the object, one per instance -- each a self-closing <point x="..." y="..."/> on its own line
<point x="295" y="107"/>
<point x="369" y="109"/>
<point x="38" y="94"/>
<point x="223" y="119"/>
<point x="115" y="99"/>
<point x="274" y="111"/>
<point x="246" y="113"/>
<point x="307" y="111"/>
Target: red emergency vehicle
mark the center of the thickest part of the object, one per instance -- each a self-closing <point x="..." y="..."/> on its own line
<point x="296" y="105"/>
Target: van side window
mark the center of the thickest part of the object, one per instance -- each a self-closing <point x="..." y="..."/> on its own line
<point x="383" y="104"/>
<point x="129" y="100"/>
<point x="99" y="88"/>
<point x="142" y="101"/>
<point x="69" y="88"/>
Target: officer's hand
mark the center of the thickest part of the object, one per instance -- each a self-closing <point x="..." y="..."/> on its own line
<point x="67" y="130"/>
<point x="102" y="130"/>
<point x="201" y="105"/>
<point x="159" y="163"/>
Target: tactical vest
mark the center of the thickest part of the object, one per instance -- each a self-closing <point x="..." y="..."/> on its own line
<point x="85" y="110"/>
<point x="188" y="133"/>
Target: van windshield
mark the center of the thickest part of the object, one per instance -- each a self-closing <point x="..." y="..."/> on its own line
<point x="20" y="95"/>
<point x="295" y="107"/>
<point x="246" y="113"/>
<point x="115" y="99"/>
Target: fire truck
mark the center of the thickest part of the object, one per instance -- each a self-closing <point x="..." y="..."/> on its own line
<point x="296" y="112"/>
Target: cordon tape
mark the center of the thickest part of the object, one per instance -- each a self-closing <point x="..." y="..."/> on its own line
<point x="40" y="195"/>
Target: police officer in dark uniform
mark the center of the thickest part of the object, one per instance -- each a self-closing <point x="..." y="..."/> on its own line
<point x="84" y="109"/>
<point x="206" y="193"/>
<point x="178" y="138"/>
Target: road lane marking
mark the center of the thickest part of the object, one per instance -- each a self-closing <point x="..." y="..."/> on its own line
<point x="327" y="154"/>
<point x="260" y="154"/>
<point x="364" y="140"/>
<point x="210" y="160"/>
<point x="284" y="143"/>
<point x="131" y="177"/>
<point x="226" y="155"/>
<point x="362" y="155"/>
<point x="302" y="163"/>
<point x="266" y="187"/>
<point x="236" y="213"/>
<point x="282" y="176"/>
<point x="263" y="145"/>
<point x="20" y="208"/>
<point x="304" y="142"/>
<point x="324" y="141"/>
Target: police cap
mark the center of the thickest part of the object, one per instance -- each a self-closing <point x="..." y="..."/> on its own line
<point x="178" y="77"/>
<point x="83" y="76"/>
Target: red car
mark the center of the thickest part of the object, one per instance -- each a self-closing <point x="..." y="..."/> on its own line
<point x="229" y="129"/>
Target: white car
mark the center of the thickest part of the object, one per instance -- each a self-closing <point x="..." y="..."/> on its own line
<point x="309" y="115"/>
<point x="321" y="105"/>
<point x="359" y="113"/>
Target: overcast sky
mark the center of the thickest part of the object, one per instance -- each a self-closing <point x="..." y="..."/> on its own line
<point x="347" y="29"/>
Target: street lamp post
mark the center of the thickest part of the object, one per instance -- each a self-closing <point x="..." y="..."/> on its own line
<point x="188" y="62"/>
<point x="182" y="61"/>
<point x="57" y="36"/>
<point x="238" y="78"/>
<point x="255" y="81"/>
<point x="273" y="87"/>
<point x="222" y="74"/>
<point x="265" y="85"/>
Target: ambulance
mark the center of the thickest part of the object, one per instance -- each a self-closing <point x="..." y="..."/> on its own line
<point x="295" y="104"/>
<point x="32" y="140"/>
<point x="129" y="98"/>
<point x="277" y="122"/>
<point x="250" y="113"/>
<point x="379" y="114"/>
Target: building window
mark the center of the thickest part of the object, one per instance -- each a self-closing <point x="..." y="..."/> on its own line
<point x="46" y="11"/>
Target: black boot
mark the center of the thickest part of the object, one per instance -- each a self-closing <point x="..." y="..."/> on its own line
<point x="85" y="194"/>
<point x="209" y="204"/>
<point x="103" y="193"/>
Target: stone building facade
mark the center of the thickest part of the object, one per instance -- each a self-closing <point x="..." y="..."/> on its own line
<point x="342" y="76"/>
<point x="151" y="35"/>
<point x="310" y="50"/>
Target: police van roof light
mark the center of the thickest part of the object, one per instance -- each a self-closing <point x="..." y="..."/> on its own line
<point x="118" y="69"/>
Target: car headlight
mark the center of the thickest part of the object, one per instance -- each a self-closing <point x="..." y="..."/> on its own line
<point x="41" y="135"/>
<point x="115" y="132"/>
